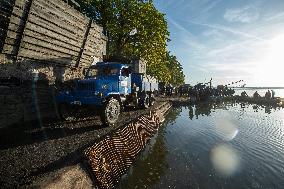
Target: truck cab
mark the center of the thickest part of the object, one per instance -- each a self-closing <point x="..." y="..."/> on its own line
<point x="109" y="79"/>
<point x="109" y="86"/>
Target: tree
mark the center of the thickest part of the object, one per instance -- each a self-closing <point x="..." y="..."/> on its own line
<point x="120" y="18"/>
<point x="176" y="76"/>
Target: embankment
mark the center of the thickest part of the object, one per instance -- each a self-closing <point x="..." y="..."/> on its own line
<point x="52" y="154"/>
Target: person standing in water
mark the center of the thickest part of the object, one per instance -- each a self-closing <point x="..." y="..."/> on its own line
<point x="256" y="95"/>
<point x="268" y="94"/>
<point x="273" y="93"/>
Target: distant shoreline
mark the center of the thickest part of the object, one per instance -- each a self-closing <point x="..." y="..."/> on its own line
<point x="245" y="88"/>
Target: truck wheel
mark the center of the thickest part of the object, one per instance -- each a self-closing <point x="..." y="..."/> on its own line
<point x="146" y="101"/>
<point x="111" y="111"/>
<point x="64" y="111"/>
<point x="136" y="102"/>
<point x="152" y="100"/>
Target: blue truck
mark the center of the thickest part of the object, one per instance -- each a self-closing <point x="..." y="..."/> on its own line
<point x="109" y="87"/>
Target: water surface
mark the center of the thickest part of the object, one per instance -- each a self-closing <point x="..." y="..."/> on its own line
<point x="223" y="145"/>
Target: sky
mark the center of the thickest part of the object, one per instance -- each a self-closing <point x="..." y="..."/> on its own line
<point x="227" y="40"/>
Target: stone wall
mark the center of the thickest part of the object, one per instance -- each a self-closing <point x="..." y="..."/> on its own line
<point x="28" y="101"/>
<point x="46" y="43"/>
<point x="27" y="69"/>
<point x="28" y="90"/>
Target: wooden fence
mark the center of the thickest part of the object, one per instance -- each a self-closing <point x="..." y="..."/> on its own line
<point x="6" y="8"/>
<point x="50" y="30"/>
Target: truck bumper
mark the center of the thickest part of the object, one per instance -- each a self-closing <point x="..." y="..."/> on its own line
<point x="77" y="100"/>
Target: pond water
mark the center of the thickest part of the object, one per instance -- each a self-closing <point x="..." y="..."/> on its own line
<point x="224" y="145"/>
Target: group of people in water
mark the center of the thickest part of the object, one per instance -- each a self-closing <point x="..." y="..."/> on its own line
<point x="198" y="92"/>
<point x="269" y="94"/>
<point x="202" y="92"/>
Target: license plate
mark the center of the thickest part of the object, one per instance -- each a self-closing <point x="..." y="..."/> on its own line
<point x="76" y="103"/>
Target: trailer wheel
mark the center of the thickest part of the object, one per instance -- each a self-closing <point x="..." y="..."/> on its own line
<point x="111" y="111"/>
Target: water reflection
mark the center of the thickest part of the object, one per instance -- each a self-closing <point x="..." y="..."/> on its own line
<point x="267" y="108"/>
<point x="214" y="145"/>
<point x="149" y="168"/>
<point x="198" y="109"/>
<point x="172" y="116"/>
<point x="190" y="112"/>
<point x="206" y="108"/>
<point x="152" y="164"/>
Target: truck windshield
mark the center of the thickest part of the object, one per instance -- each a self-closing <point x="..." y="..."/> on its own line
<point x="92" y="72"/>
<point x="106" y="70"/>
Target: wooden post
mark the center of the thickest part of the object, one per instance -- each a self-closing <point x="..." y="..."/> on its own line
<point x="22" y="28"/>
<point x="83" y="44"/>
<point x="6" y="8"/>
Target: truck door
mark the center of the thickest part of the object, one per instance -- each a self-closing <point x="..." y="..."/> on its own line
<point x="125" y="81"/>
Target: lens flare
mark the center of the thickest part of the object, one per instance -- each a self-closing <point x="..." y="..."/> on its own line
<point x="225" y="160"/>
<point x="227" y="129"/>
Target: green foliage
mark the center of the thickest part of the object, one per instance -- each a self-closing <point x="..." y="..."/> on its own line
<point x="175" y="70"/>
<point x="119" y="18"/>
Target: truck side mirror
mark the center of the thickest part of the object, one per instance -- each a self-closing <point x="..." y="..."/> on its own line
<point x="125" y="72"/>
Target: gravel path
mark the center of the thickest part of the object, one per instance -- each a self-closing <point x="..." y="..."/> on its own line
<point x="30" y="151"/>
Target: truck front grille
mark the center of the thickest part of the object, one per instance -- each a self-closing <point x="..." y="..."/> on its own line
<point x="86" y="86"/>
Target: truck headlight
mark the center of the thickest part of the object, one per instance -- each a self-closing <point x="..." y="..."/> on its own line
<point x="100" y="94"/>
<point x="67" y="92"/>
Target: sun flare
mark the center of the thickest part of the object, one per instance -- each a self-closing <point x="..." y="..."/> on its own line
<point x="270" y="69"/>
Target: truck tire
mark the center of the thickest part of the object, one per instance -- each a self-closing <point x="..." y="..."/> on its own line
<point x="146" y="101"/>
<point x="111" y="111"/>
<point x="152" y="100"/>
<point x="66" y="111"/>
